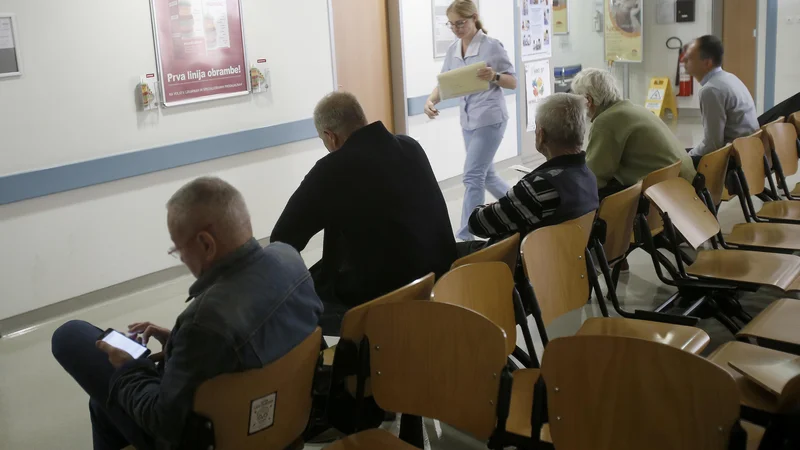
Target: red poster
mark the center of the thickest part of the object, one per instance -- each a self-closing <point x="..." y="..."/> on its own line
<point x="200" y="49"/>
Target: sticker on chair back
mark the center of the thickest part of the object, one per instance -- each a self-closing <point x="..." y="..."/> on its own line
<point x="262" y="413"/>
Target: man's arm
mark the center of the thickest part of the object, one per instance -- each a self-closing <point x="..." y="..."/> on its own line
<point x="161" y="404"/>
<point x="524" y="206"/>
<point x="306" y="213"/>
<point x="603" y="153"/>
<point x="712" y="109"/>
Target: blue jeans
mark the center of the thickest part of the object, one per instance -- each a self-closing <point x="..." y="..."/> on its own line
<point x="73" y="346"/>
<point x="479" y="174"/>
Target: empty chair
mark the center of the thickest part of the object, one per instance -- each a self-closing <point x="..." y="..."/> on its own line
<point x="435" y="360"/>
<point x="751" y="173"/>
<point x="610" y="392"/>
<point x="765" y="140"/>
<point x="554" y="262"/>
<point x="773" y="237"/>
<point x="776" y="326"/>
<point x="794" y="119"/>
<point x="717" y="271"/>
<point x="507" y="251"/>
<point x="261" y="408"/>
<point x="782" y="139"/>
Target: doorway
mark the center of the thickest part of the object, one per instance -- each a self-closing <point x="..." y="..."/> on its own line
<point x="361" y="46"/>
<point x="739" y="24"/>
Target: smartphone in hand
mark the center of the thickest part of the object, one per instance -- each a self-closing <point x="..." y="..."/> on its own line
<point x="118" y="340"/>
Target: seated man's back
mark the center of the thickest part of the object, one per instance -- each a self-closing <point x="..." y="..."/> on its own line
<point x="384" y="216"/>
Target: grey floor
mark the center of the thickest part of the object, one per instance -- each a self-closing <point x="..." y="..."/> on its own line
<point x="42" y="408"/>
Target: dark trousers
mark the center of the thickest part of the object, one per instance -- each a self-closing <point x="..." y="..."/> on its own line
<point x="612" y="187"/>
<point x="73" y="346"/>
<point x="695" y="158"/>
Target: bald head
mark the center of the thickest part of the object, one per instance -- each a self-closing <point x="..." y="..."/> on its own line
<point x="337" y="116"/>
<point x="210" y="203"/>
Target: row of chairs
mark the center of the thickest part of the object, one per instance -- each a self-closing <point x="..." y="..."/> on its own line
<point x="433" y="358"/>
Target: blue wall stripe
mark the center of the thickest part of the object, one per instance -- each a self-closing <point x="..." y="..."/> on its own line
<point x="771" y="55"/>
<point x="416" y="105"/>
<point x="38" y="183"/>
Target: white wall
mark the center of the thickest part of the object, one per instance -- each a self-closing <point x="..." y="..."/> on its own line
<point x="582" y="45"/>
<point x="660" y="61"/>
<point x="75" y="102"/>
<point x="441" y="138"/>
<point x="787" y="69"/>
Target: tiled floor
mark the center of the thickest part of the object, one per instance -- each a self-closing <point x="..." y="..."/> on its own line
<point x="42" y="408"/>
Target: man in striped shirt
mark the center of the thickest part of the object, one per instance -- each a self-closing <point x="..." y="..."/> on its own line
<point x="559" y="190"/>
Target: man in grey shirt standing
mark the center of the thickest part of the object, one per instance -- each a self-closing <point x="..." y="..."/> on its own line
<point x="726" y="105"/>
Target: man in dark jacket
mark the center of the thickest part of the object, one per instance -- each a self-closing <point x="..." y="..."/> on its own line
<point x="250" y="306"/>
<point x="377" y="199"/>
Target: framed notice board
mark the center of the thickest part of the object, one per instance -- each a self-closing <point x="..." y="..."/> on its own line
<point x="10" y="63"/>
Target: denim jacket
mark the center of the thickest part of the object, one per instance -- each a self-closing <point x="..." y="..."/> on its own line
<point x="248" y="310"/>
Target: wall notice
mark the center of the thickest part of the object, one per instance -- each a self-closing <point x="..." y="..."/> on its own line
<point x="200" y="46"/>
<point x="538" y="87"/>
<point x="560" y="16"/>
<point x="623" y="30"/>
<point x="536" y="24"/>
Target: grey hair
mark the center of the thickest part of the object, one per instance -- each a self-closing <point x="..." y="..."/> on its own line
<point x="210" y="200"/>
<point x="562" y="119"/>
<point x="340" y="113"/>
<point x="598" y="84"/>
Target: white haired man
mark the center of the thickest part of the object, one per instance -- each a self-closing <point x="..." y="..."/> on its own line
<point x="250" y="306"/>
<point x="559" y="190"/>
<point x="626" y="141"/>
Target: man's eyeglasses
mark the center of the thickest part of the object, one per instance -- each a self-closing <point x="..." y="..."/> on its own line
<point x="457" y="24"/>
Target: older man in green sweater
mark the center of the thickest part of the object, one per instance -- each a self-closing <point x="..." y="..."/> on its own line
<point x="626" y="141"/>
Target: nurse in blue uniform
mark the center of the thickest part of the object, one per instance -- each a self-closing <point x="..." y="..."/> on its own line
<point x="484" y="115"/>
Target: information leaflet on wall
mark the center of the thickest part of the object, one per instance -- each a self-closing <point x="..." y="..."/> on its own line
<point x="200" y="50"/>
<point x="623" y="30"/>
<point x="536" y="24"/>
<point x="443" y="36"/>
<point x="6" y="33"/>
<point x="538" y="87"/>
<point x="560" y="16"/>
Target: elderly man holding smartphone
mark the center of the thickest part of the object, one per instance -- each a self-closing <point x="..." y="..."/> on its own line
<point x="249" y="306"/>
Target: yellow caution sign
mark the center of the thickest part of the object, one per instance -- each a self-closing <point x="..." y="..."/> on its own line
<point x="660" y="97"/>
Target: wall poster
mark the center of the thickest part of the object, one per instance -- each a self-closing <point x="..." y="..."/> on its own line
<point x="560" y="16"/>
<point x="442" y="34"/>
<point x="538" y="86"/>
<point x="623" y="30"/>
<point x="10" y="62"/>
<point x="536" y="25"/>
<point x="199" y="50"/>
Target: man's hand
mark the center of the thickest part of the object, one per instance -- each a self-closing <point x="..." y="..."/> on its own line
<point x="486" y="74"/>
<point x="116" y="356"/>
<point x="144" y="330"/>
<point x="430" y="110"/>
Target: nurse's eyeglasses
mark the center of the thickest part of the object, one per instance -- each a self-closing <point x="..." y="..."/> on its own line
<point x="457" y="24"/>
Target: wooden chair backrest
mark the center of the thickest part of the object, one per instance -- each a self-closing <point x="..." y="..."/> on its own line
<point x="486" y="288"/>
<point x="794" y="119"/>
<point x="354" y="320"/>
<point x="665" y="173"/>
<point x="783" y="140"/>
<point x="688" y="213"/>
<point x="765" y="139"/>
<point x="749" y="155"/>
<point x="586" y="222"/>
<point x="621" y="393"/>
<point x="281" y="388"/>
<point x="781" y="379"/>
<point x="554" y="262"/>
<point x="618" y="211"/>
<point x="437" y="360"/>
<point x="506" y="251"/>
<point x="714" y="167"/>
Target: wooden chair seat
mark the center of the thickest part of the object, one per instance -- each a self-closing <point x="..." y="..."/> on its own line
<point x="769" y="235"/>
<point x="373" y="439"/>
<point x="743" y="266"/>
<point x="689" y="339"/>
<point x="754" y="434"/>
<point x="750" y="394"/>
<point x="778" y="322"/>
<point x="796" y="190"/>
<point x="780" y="210"/>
